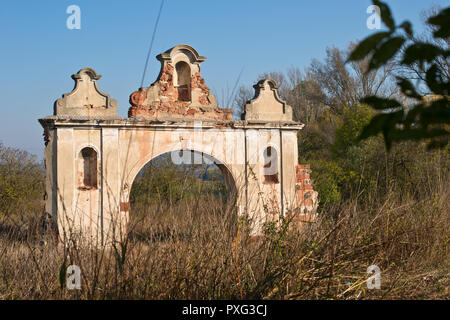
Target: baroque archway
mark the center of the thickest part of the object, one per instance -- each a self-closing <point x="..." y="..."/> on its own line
<point x="258" y="153"/>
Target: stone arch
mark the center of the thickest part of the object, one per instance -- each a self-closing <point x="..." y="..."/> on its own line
<point x="230" y="179"/>
<point x="133" y="168"/>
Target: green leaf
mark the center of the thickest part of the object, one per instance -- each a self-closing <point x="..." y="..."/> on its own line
<point x="435" y="82"/>
<point x="441" y="18"/>
<point x="381" y="103"/>
<point x="367" y="45"/>
<point x="385" y="14"/>
<point x="389" y="128"/>
<point x="407" y="88"/>
<point x="406" y="25"/>
<point x="421" y="52"/>
<point x="417" y="134"/>
<point x="437" y="113"/>
<point x="385" y="123"/>
<point x="443" y="32"/>
<point x="374" y="127"/>
<point x="412" y="115"/>
<point x="442" y="21"/>
<point x="385" y="52"/>
<point x="407" y="134"/>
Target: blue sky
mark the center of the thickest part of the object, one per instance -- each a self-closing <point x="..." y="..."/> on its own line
<point x="39" y="53"/>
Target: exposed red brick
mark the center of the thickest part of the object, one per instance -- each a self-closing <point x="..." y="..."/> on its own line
<point x="203" y="100"/>
<point x="124" y="206"/>
<point x="137" y="98"/>
<point x="304" y="186"/>
<point x="192" y="111"/>
<point x="176" y="101"/>
<point x="197" y="81"/>
<point x="167" y="73"/>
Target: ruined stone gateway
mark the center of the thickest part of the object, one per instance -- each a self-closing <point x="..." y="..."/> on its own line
<point x="92" y="156"/>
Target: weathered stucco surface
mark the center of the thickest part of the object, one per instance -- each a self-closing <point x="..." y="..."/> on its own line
<point x="81" y="143"/>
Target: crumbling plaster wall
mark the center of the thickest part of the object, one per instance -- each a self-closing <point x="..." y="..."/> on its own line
<point x="162" y="98"/>
<point x="123" y="152"/>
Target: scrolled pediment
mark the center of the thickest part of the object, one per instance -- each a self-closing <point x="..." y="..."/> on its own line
<point x="86" y="98"/>
<point x="267" y="104"/>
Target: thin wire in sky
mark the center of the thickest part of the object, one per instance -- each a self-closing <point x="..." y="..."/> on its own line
<point x="151" y="43"/>
<point x="232" y="95"/>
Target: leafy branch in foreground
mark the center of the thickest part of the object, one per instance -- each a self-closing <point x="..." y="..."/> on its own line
<point x="429" y="116"/>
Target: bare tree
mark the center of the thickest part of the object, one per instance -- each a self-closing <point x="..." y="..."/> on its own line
<point x="301" y="92"/>
<point x="298" y="89"/>
<point x="331" y="84"/>
<point x="345" y="84"/>
<point x="244" y="94"/>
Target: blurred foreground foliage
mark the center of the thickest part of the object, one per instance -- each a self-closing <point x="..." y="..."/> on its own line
<point x="427" y="117"/>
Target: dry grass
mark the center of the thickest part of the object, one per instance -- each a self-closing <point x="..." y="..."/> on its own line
<point x="201" y="250"/>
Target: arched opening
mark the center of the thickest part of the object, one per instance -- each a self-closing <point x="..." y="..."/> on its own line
<point x="183" y="81"/>
<point x="172" y="200"/>
<point x="270" y="166"/>
<point x="87" y="169"/>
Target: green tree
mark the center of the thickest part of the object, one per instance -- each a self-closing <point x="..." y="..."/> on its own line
<point x="21" y="182"/>
<point x="353" y="122"/>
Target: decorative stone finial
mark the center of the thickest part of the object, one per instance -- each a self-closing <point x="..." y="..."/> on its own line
<point x="86" y="99"/>
<point x="267" y="104"/>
